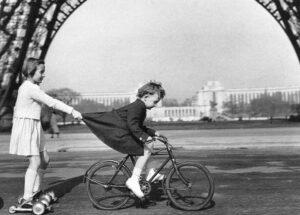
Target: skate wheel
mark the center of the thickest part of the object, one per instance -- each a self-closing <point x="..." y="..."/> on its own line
<point x="12" y="209"/>
<point x="46" y="196"/>
<point x="38" y="208"/>
<point x="52" y="195"/>
<point x="45" y="201"/>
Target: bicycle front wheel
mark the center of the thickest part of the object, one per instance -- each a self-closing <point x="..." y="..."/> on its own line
<point x="192" y="188"/>
<point x="106" y="186"/>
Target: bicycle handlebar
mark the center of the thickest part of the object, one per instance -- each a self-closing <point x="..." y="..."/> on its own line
<point x="161" y="139"/>
<point x="164" y="140"/>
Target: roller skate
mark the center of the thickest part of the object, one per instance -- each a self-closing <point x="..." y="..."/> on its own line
<point x="22" y="206"/>
<point x="44" y="203"/>
<point x="38" y="204"/>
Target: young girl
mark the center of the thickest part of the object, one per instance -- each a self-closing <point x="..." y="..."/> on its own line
<point x="27" y="138"/>
<point x="123" y="130"/>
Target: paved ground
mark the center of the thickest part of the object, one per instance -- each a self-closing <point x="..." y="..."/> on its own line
<point x="187" y="139"/>
<point x="264" y="179"/>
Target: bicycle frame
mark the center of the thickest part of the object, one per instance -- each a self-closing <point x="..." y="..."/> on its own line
<point x="121" y="164"/>
<point x="107" y="188"/>
<point x="171" y="157"/>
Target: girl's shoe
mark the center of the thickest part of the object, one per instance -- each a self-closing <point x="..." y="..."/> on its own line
<point x="25" y="203"/>
<point x="20" y="198"/>
<point x="158" y="177"/>
<point x="134" y="185"/>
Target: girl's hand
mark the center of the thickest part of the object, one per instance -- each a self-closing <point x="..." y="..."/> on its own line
<point x="76" y="114"/>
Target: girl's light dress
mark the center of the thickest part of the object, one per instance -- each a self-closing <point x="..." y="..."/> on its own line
<point x="27" y="136"/>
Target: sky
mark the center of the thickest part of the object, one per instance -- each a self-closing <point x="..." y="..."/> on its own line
<point x="115" y="45"/>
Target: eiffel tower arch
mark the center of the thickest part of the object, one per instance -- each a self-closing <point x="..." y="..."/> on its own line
<point x="27" y="28"/>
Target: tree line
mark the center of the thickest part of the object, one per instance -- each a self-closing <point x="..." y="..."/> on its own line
<point x="68" y="96"/>
<point x="264" y="106"/>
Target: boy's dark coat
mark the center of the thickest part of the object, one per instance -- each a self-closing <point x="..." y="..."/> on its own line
<point x="121" y="129"/>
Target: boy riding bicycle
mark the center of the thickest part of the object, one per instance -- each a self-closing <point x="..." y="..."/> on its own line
<point x="123" y="130"/>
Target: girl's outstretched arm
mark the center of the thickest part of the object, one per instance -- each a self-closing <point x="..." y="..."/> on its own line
<point x="40" y="96"/>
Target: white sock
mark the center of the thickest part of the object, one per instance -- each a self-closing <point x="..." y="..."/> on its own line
<point x="136" y="173"/>
<point x="39" y="180"/>
<point x="30" y="176"/>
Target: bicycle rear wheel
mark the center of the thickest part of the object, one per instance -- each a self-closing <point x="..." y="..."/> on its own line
<point x="192" y="188"/>
<point x="106" y="189"/>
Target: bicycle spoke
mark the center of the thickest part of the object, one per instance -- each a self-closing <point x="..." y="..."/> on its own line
<point x="106" y="187"/>
<point x="191" y="188"/>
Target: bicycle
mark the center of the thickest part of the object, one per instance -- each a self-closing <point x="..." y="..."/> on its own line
<point x="188" y="185"/>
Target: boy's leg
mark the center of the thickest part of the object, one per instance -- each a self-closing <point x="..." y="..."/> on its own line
<point x="151" y="168"/>
<point x="133" y="182"/>
<point x="30" y="175"/>
<point x="41" y="171"/>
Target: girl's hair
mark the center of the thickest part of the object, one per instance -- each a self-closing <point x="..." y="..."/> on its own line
<point x="151" y="88"/>
<point x="30" y="66"/>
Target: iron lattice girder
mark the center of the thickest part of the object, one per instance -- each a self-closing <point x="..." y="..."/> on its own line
<point x="21" y="38"/>
<point x="47" y="22"/>
<point x="287" y="14"/>
<point x="52" y="14"/>
<point x="66" y="10"/>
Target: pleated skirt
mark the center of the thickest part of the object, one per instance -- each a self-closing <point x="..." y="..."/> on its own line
<point x="27" y="137"/>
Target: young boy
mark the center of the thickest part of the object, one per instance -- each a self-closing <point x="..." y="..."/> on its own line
<point x="123" y="130"/>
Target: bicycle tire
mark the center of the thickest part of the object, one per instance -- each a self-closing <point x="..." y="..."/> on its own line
<point x="115" y="195"/>
<point x="199" y="192"/>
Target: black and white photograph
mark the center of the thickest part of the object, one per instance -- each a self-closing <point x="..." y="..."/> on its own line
<point x="143" y="107"/>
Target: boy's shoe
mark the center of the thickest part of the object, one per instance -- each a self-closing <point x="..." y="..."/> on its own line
<point x="134" y="185"/>
<point x="158" y="177"/>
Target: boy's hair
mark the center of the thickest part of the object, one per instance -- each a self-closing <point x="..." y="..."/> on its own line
<point x="30" y="66"/>
<point x="151" y="88"/>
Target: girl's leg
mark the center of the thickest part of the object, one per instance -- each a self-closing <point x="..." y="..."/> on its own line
<point x="41" y="171"/>
<point x="133" y="182"/>
<point x="30" y="175"/>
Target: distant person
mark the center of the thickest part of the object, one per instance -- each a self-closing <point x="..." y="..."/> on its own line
<point x="54" y="130"/>
<point x="27" y="138"/>
<point x="123" y="130"/>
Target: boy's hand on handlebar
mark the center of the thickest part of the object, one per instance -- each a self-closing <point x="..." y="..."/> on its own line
<point x="149" y="140"/>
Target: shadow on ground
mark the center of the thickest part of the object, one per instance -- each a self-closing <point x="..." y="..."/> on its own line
<point x="156" y="196"/>
<point x="62" y="187"/>
<point x="1" y="203"/>
<point x="208" y="206"/>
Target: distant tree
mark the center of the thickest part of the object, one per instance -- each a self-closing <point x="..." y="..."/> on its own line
<point x="170" y="103"/>
<point x="87" y="105"/>
<point x="66" y="95"/>
<point x="264" y="106"/>
<point x="295" y="108"/>
<point x="269" y="106"/>
<point x="187" y="102"/>
<point x="235" y="109"/>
